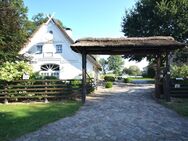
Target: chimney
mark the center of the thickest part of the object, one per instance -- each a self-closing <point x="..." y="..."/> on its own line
<point x="69" y="31"/>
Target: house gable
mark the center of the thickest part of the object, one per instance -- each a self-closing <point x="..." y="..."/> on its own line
<point x="42" y="48"/>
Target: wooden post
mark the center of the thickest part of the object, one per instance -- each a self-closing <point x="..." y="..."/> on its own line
<point x="167" y="78"/>
<point x="6" y="93"/>
<point x="157" y="77"/>
<point x="84" y="62"/>
<point x="45" y="98"/>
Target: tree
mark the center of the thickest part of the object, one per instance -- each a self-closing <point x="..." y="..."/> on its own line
<point x="157" y="18"/>
<point x="132" y="70"/>
<point x="13" y="32"/>
<point x="149" y="71"/>
<point x="103" y="64"/>
<point x="39" y="19"/>
<point x="115" y="63"/>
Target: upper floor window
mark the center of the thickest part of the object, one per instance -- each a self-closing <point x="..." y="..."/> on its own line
<point x="51" y="32"/>
<point x="39" y="49"/>
<point x="59" y="49"/>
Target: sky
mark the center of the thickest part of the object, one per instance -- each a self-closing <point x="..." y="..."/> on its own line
<point x="86" y="18"/>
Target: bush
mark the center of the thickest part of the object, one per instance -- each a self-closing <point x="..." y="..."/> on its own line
<point x="10" y="71"/>
<point x="127" y="80"/>
<point x="179" y="71"/>
<point x="50" y="77"/>
<point x="108" y="85"/>
<point x="76" y="83"/>
<point x="109" y="78"/>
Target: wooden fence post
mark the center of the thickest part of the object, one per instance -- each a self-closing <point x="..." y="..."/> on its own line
<point x="6" y="93"/>
<point x="167" y="78"/>
<point x="46" y="86"/>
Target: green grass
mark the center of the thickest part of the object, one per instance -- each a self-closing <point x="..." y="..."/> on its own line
<point x="134" y="78"/>
<point x="179" y="105"/>
<point x="18" y="119"/>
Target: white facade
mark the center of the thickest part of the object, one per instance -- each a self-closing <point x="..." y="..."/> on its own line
<point x="51" y="54"/>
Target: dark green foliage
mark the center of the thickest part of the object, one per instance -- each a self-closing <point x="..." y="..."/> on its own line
<point x="108" y="85"/>
<point x="39" y="19"/>
<point x="13" y="30"/>
<point x="157" y="18"/>
<point x="50" y="77"/>
<point x="150" y="73"/>
<point x="127" y="80"/>
<point x="115" y="63"/>
<point x="109" y="78"/>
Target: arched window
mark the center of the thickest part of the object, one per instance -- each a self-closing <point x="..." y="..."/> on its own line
<point x="50" y="70"/>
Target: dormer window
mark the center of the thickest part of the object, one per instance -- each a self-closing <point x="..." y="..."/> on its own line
<point x="51" y="32"/>
<point x="59" y="49"/>
<point x="39" y="49"/>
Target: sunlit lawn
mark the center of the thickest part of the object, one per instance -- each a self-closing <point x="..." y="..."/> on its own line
<point x="18" y="119"/>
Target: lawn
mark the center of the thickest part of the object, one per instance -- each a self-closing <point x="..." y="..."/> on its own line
<point x="141" y="78"/>
<point x="19" y="119"/>
<point x="179" y="105"/>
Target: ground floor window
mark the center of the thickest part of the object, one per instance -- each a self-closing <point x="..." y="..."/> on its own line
<point x="50" y="70"/>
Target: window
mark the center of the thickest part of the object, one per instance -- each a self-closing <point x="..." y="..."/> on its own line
<point x="52" y="67"/>
<point x="51" y="32"/>
<point x="39" y="49"/>
<point x="58" y="48"/>
<point x="50" y="70"/>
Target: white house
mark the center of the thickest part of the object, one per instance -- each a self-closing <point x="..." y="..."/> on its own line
<point x="51" y="54"/>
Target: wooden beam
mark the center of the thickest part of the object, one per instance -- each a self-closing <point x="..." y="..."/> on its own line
<point x="157" y="77"/>
<point x="84" y="62"/>
<point x="167" y="78"/>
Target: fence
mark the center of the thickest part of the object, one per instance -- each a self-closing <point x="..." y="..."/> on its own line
<point x="179" y="88"/>
<point x="42" y="89"/>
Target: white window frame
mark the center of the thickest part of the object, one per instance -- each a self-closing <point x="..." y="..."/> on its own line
<point x="59" y="48"/>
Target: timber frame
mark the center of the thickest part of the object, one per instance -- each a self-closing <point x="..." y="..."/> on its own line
<point x="156" y="46"/>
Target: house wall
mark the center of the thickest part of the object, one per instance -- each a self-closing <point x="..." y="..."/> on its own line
<point x="69" y="61"/>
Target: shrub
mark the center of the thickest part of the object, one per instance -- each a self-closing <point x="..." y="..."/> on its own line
<point x="179" y="71"/>
<point x="108" y="85"/>
<point x="109" y="78"/>
<point x="76" y="83"/>
<point x="127" y="80"/>
<point x="14" y="71"/>
<point x="50" y="77"/>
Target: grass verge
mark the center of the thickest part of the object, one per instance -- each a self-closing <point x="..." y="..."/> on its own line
<point x="19" y="119"/>
<point x="179" y="105"/>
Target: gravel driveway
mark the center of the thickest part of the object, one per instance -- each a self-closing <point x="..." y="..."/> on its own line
<point x="123" y="113"/>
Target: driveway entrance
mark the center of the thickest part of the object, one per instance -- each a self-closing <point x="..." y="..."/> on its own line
<point x="123" y="113"/>
<point x="156" y="47"/>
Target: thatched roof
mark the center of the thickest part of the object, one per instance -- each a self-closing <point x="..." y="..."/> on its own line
<point x="102" y="45"/>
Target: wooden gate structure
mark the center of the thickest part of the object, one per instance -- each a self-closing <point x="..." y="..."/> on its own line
<point x="157" y="46"/>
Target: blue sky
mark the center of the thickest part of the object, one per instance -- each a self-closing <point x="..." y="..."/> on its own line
<point x="86" y="18"/>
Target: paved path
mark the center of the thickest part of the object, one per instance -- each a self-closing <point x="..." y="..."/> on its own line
<point x="120" y="114"/>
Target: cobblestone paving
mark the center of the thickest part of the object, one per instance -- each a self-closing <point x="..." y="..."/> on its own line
<point x="119" y="114"/>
